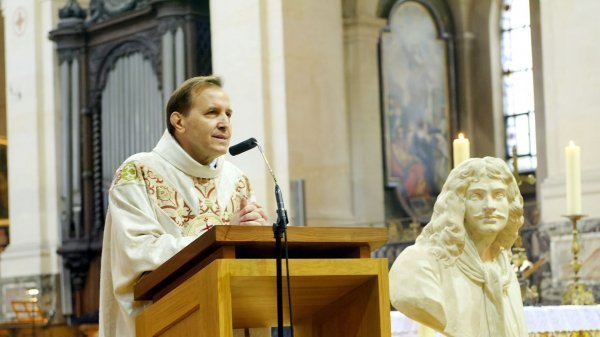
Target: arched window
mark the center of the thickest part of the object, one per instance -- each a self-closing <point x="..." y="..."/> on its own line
<point x="517" y="84"/>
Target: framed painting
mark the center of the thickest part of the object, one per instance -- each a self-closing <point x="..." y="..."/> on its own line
<point x="418" y="113"/>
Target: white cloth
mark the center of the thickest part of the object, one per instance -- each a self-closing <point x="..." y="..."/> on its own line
<point x="557" y="318"/>
<point x="159" y="202"/>
<point x="563" y="318"/>
<point x="469" y="298"/>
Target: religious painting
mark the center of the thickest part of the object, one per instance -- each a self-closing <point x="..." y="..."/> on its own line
<point x="417" y="113"/>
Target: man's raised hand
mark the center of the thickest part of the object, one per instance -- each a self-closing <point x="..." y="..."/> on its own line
<point x="250" y="215"/>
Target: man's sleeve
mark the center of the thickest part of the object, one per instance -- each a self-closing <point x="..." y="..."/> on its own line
<point x="139" y="243"/>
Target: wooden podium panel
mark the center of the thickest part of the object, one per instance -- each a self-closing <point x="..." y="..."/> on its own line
<point x="329" y="298"/>
<point x="226" y="279"/>
<point x="243" y="242"/>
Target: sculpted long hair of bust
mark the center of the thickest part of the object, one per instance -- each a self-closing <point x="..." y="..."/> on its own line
<point x="445" y="234"/>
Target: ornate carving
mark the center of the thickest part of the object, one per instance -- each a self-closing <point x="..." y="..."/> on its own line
<point x="72" y="10"/>
<point x="76" y="257"/>
<point x="70" y="34"/>
<point x="118" y="6"/>
<point x="96" y="11"/>
<point x="101" y="10"/>
<point x="103" y="58"/>
<point x="98" y="220"/>
<point x="67" y="55"/>
<point x="170" y="24"/>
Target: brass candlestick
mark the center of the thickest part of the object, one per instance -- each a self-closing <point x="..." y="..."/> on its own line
<point x="576" y="292"/>
<point x="528" y="179"/>
<point x="519" y="257"/>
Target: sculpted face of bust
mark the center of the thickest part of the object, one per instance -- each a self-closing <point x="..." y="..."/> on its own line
<point x="486" y="208"/>
<point x="486" y="213"/>
<point x="481" y="202"/>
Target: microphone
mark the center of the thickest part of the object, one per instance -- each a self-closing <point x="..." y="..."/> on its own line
<point x="250" y="143"/>
<point x="244" y="146"/>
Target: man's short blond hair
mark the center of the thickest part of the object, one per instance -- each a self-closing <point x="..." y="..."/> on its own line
<point x="181" y="99"/>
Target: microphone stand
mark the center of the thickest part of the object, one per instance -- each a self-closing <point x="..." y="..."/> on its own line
<point x="279" y="230"/>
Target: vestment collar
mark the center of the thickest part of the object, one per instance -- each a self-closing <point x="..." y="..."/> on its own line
<point x="170" y="150"/>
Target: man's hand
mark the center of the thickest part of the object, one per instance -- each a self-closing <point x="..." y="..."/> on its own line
<point x="250" y="214"/>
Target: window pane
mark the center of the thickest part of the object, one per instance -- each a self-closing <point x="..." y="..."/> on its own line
<point x="506" y="50"/>
<point x="518" y="93"/>
<point x="526" y="164"/>
<point x="511" y="135"/>
<point x="522" y="134"/>
<point x="520" y="56"/>
<point x="519" y="13"/>
<point x="506" y="95"/>
<point x="522" y="92"/>
<point x="517" y="83"/>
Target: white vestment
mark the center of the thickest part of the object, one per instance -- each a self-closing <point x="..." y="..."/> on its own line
<point x="159" y="202"/>
<point x="468" y="298"/>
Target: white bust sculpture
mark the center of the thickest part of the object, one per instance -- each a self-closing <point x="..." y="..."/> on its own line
<point x="457" y="278"/>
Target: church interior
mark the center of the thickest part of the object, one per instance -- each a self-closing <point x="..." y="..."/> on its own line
<point x="358" y="105"/>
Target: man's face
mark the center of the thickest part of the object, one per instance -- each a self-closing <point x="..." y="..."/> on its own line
<point x="486" y="208"/>
<point x="206" y="130"/>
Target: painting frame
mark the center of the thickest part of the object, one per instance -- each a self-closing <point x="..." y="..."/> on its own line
<point x="417" y="173"/>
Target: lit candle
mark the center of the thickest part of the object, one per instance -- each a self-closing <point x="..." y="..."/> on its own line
<point x="572" y="153"/>
<point x="460" y="147"/>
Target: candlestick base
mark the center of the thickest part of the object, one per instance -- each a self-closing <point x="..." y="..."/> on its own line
<point x="576" y="292"/>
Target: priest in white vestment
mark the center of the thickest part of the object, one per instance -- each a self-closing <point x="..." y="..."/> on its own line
<point x="160" y="201"/>
<point x="457" y="278"/>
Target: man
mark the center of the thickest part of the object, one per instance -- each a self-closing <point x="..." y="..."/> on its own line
<point x="162" y="200"/>
<point x="457" y="278"/>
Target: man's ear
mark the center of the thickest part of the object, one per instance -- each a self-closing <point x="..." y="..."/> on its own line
<point x="177" y="122"/>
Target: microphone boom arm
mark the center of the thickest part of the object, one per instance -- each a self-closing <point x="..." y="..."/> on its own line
<point x="267" y="162"/>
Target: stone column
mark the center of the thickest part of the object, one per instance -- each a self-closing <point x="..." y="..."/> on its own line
<point x="361" y="38"/>
<point x="248" y="52"/>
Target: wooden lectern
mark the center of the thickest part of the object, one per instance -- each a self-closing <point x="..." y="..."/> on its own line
<point x="225" y="280"/>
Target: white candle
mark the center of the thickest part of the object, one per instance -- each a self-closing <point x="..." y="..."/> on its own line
<point x="460" y="147"/>
<point x="573" y="156"/>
